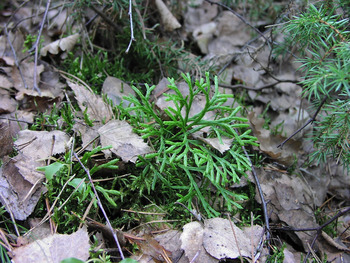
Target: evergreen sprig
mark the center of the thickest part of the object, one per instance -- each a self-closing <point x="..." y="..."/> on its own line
<point x="183" y="163"/>
<point x="322" y="38"/>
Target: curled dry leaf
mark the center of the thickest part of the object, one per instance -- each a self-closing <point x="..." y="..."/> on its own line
<point x="64" y="44"/>
<point x="169" y="21"/>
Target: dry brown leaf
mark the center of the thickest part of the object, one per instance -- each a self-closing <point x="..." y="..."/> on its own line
<point x="97" y="109"/>
<point x="64" y="44"/>
<point x="55" y="248"/>
<point x="197" y="16"/>
<point x="28" y="74"/>
<point x="290" y="201"/>
<point x="268" y="143"/>
<point x="42" y="144"/>
<point x="6" y="141"/>
<point x="170" y="240"/>
<point x="21" y="185"/>
<point x="7" y="104"/>
<point x="125" y="143"/>
<point x="170" y="23"/>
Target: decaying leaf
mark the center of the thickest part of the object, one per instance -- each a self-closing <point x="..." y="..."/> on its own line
<point x="125" y="143"/>
<point x="169" y="21"/>
<point x="21" y="185"/>
<point x="269" y="142"/>
<point x="64" y="44"/>
<point x="55" y="248"/>
<point x="97" y="109"/>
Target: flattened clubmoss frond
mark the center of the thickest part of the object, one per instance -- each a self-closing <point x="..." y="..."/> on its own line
<point x="181" y="163"/>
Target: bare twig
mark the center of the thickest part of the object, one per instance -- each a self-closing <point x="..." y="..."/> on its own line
<point x="256" y="89"/>
<point x="106" y="18"/>
<point x="37" y="43"/>
<point x="263" y="202"/>
<point x="100" y="205"/>
<point x="132" y="38"/>
<point x="311" y="120"/>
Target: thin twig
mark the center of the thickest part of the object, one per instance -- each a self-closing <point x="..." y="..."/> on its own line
<point x="256" y="89"/>
<point x="132" y="38"/>
<point x="311" y="120"/>
<point x="234" y="234"/>
<point x="100" y="205"/>
<point x="263" y="202"/>
<point x="106" y="18"/>
<point x="37" y="43"/>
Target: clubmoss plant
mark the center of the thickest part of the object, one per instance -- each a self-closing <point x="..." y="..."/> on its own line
<point x="322" y="36"/>
<point x="181" y="163"/>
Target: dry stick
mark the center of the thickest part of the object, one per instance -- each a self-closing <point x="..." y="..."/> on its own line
<point x="132" y="38"/>
<point x="256" y="89"/>
<point x="37" y="42"/>
<point x="100" y="205"/>
<point x="311" y="120"/>
<point x="263" y="202"/>
<point x="106" y="18"/>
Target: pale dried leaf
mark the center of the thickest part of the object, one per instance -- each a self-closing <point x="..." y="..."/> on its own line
<point x="89" y="135"/>
<point x="170" y="23"/>
<point x="97" y="109"/>
<point x="125" y="143"/>
<point x="192" y="243"/>
<point x="55" y="248"/>
<point x="116" y="89"/>
<point x="219" y="241"/>
<point x="222" y="147"/>
<point x="64" y="44"/>
<point x="42" y="144"/>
